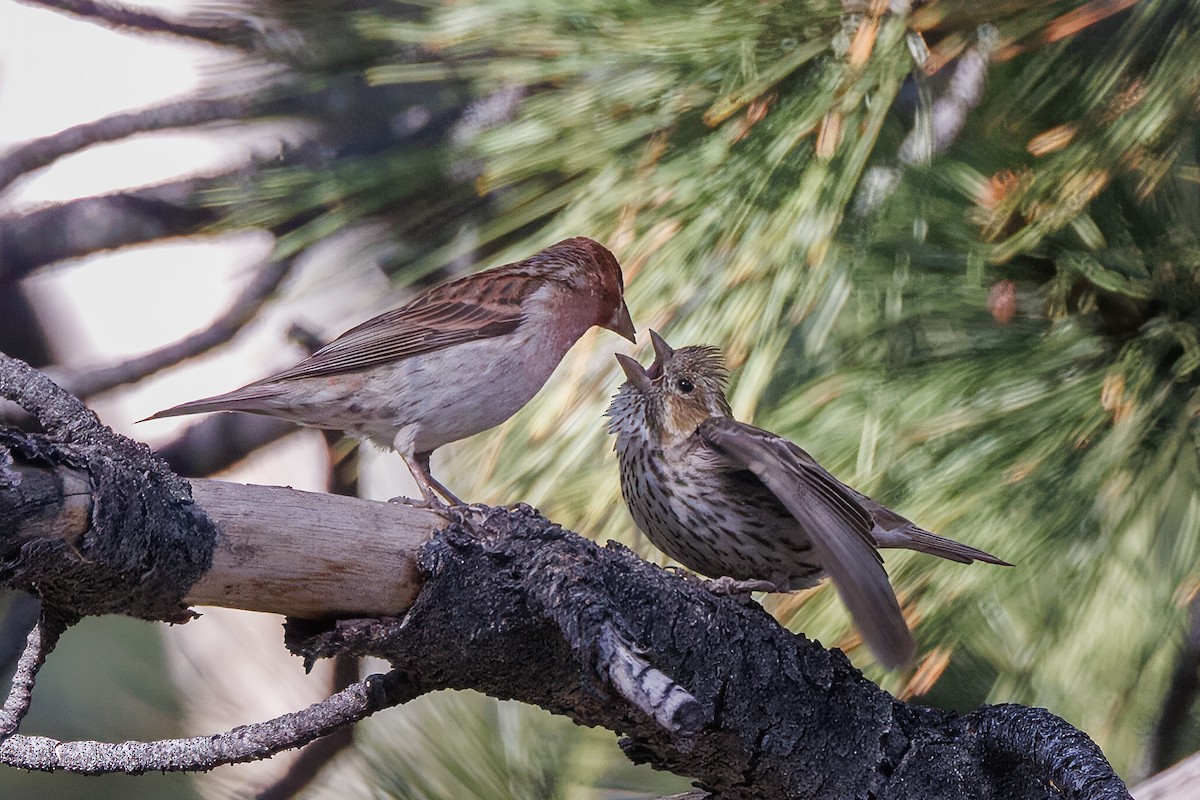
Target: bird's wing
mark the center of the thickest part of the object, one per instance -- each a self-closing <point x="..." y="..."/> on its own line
<point x="839" y="527"/>
<point x="448" y="315"/>
<point x="891" y="529"/>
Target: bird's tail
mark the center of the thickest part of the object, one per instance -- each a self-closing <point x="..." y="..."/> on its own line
<point x="244" y="399"/>
<point x="923" y="541"/>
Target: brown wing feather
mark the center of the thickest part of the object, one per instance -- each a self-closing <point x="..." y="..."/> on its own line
<point x="839" y="527"/>
<point x="471" y="308"/>
<point x="450" y="314"/>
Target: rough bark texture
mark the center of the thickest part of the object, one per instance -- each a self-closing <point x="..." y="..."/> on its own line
<point x="279" y="550"/>
<point x="512" y="605"/>
<point x="516" y="607"/>
<point x="145" y="546"/>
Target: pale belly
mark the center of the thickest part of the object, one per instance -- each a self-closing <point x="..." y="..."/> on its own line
<point x="431" y="399"/>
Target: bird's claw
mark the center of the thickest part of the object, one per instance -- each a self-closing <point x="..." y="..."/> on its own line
<point x="426" y="502"/>
<point x="452" y="513"/>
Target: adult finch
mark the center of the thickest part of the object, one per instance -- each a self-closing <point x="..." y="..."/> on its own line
<point x="739" y="503"/>
<point x="457" y="360"/>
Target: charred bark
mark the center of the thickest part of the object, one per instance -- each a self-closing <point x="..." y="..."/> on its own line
<point x="505" y="602"/>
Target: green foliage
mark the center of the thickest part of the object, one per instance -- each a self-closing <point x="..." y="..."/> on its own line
<point x="722" y="149"/>
<point x="994" y="329"/>
<point x="450" y="746"/>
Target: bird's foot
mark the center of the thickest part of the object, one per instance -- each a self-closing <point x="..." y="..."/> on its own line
<point x="425" y="502"/>
<point x="460" y="513"/>
<point x="727" y="586"/>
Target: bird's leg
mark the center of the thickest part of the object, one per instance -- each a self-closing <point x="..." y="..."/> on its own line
<point x="420" y="473"/>
<point x="434" y="483"/>
<point x="418" y="465"/>
<point x="727" y="586"/>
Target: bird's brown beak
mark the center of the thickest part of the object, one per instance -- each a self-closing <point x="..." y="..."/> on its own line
<point x="634" y="372"/>
<point x="662" y="350"/>
<point x="622" y="323"/>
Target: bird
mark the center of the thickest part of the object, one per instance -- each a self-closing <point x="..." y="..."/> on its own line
<point x="455" y="361"/>
<point x="750" y="508"/>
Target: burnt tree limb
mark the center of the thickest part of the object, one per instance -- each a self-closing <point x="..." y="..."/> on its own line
<point x="519" y="608"/>
<point x="498" y="600"/>
<point x="256" y="548"/>
<point x="513" y="605"/>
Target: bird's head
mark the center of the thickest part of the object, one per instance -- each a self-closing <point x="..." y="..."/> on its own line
<point x="677" y="392"/>
<point x="594" y="278"/>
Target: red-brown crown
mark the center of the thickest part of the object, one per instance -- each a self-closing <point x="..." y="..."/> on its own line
<point x="588" y="266"/>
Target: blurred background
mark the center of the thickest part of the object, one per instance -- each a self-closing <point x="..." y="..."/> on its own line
<point x="951" y="248"/>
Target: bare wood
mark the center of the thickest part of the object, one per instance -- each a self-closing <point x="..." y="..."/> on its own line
<point x="280" y="550"/>
<point x="50" y="503"/>
<point x="1175" y="783"/>
<point x="310" y="555"/>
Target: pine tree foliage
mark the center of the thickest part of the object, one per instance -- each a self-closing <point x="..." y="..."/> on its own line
<point x="951" y="248"/>
<point x="454" y="745"/>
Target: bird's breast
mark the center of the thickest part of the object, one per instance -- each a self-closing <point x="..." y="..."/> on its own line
<point x="440" y="396"/>
<point x="712" y="520"/>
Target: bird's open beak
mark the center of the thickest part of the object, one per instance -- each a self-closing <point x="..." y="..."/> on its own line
<point x="634" y="372"/>
<point x="662" y="350"/>
<point x="622" y="323"/>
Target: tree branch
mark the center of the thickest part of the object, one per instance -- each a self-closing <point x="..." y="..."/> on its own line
<point x="42" y="639"/>
<point x="244" y="743"/>
<point x="280" y="550"/>
<point x="143" y="514"/>
<point x="23" y="612"/>
<point x="313" y="758"/>
<point x="505" y="602"/>
<point x="178" y="114"/>
<point x="78" y="228"/>
<point x="225" y="327"/>
<point x="232" y="31"/>
<point x="219" y="441"/>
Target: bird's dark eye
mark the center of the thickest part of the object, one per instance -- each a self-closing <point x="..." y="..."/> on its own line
<point x="684" y="385"/>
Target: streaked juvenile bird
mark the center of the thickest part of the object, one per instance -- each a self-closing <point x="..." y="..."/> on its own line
<point x="750" y="508"/>
<point x="457" y="360"/>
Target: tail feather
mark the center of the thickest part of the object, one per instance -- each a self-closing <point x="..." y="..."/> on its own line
<point x="237" y="400"/>
<point x="923" y="541"/>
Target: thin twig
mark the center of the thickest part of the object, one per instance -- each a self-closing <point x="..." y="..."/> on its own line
<point x="234" y="32"/>
<point x="42" y="639"/>
<point x="313" y="758"/>
<point x="647" y="688"/>
<point x="23" y="612"/>
<point x="179" y="114"/>
<point x="224" y="328"/>
<point x="245" y="743"/>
